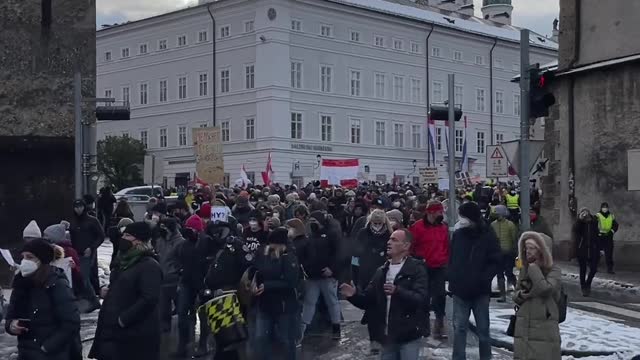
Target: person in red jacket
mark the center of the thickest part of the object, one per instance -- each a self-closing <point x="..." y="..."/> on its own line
<point x="431" y="243"/>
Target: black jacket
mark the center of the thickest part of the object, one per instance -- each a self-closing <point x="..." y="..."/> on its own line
<point x="372" y="250"/>
<point x="86" y="232"/>
<point x="585" y="234"/>
<point x="474" y="259"/>
<point x="226" y="267"/>
<point x="321" y="251"/>
<point x="408" y="303"/>
<point x="280" y="276"/>
<point x="191" y="264"/>
<point x="129" y="321"/>
<point x="55" y="320"/>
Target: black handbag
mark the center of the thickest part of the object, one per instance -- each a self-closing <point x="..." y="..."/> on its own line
<point x="511" y="329"/>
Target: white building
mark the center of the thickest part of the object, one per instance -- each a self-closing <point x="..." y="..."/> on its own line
<point x="302" y="78"/>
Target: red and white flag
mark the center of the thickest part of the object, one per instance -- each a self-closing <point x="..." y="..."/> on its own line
<point x="267" y="175"/>
<point x="244" y="181"/>
<point x="339" y="172"/>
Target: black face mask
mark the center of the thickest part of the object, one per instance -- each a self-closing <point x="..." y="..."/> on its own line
<point x="314" y="227"/>
<point x="125" y="246"/>
<point x="439" y="219"/>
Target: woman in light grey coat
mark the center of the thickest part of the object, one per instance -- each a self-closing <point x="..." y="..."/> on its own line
<point x="537" y="335"/>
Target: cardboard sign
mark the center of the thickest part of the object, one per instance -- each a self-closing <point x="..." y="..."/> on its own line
<point x="207" y="148"/>
<point x="219" y="213"/>
<point x="429" y="175"/>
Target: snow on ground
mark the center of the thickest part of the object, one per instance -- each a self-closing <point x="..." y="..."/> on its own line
<point x="618" y="356"/>
<point x="608" y="284"/>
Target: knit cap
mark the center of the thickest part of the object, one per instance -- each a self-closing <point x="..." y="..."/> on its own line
<point x="395" y="215"/>
<point x="139" y="230"/>
<point x="41" y="249"/>
<point x="32" y="231"/>
<point x="55" y="234"/>
<point x="501" y="210"/>
<point x="278" y="236"/>
<point x="194" y="222"/>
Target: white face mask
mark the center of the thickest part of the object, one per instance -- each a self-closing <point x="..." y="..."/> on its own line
<point x="377" y="227"/>
<point x="291" y="234"/>
<point x="28" y="267"/>
<point x="604" y="209"/>
<point x="463" y="222"/>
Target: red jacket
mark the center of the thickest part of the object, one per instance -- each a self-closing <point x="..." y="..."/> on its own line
<point x="431" y="242"/>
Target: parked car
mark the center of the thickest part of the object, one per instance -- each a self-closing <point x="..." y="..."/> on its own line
<point x="140" y="190"/>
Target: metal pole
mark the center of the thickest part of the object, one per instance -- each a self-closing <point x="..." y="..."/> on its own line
<point x="524" y="131"/>
<point x="153" y="173"/>
<point x="452" y="153"/>
<point x="214" y="75"/>
<point x="77" y="112"/>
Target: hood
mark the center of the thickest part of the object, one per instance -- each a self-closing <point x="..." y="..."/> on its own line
<point x="79" y="203"/>
<point x="543" y="244"/>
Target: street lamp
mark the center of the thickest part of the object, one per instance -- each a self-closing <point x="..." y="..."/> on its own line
<point x="415" y="163"/>
<point x="318" y="160"/>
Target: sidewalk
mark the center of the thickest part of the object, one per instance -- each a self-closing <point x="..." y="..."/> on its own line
<point x="623" y="286"/>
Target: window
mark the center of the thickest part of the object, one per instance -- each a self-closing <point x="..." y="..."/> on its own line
<point x="416" y="137"/>
<point x="479" y="60"/>
<point x="226" y="180"/>
<point x="326" y="127"/>
<point x="249" y="76"/>
<point x="325" y="78"/>
<point x="355" y="131"/>
<point x="416" y="91"/>
<point x="224" y="81"/>
<point x="203" y="84"/>
<point x="380" y="80"/>
<point x="379" y="41"/>
<point x="144" y="94"/>
<point x="439" y="138"/>
<point x="415" y="47"/>
<point x="182" y="87"/>
<point x="144" y="138"/>
<point x="398" y="88"/>
<point x="203" y="36"/>
<point x="380" y="133"/>
<point x="499" y="138"/>
<point x="355" y="36"/>
<point x="437" y="92"/>
<point x="499" y="102"/>
<point x="457" y="55"/>
<point x="108" y="93"/>
<point x="459" y="140"/>
<point x="497" y="63"/>
<point x="163" y="91"/>
<point x="296" y="125"/>
<point x="163" y="138"/>
<point x="326" y="30"/>
<point x="249" y="26"/>
<point x="296" y="75"/>
<point x="125" y="134"/>
<point x="516" y="104"/>
<point x="143" y="49"/>
<point x="398" y="135"/>
<point x="124" y="53"/>
<point x="224" y="131"/>
<point x="162" y="45"/>
<point x="182" y="40"/>
<point x="480" y="100"/>
<point x="296" y="25"/>
<point x="125" y="94"/>
<point x="459" y="95"/>
<point x="355" y="83"/>
<point x="182" y="136"/>
<point x="480" y="142"/>
<point x="107" y="56"/>
<point x="398" y="44"/>
<point x="436" y="52"/>
<point x="250" y="129"/>
<point x="225" y="31"/>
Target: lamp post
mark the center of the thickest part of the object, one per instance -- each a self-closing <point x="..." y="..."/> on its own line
<point x="318" y="161"/>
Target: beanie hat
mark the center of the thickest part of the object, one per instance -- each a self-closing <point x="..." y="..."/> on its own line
<point x="434" y="206"/>
<point x="298" y="227"/>
<point x="32" y="231"/>
<point x="194" y="222"/>
<point x="395" y="215"/>
<point x="273" y="200"/>
<point x="471" y="211"/>
<point x="40" y="249"/>
<point x="275" y="221"/>
<point x="242" y="201"/>
<point x="205" y="211"/>
<point x="255" y="214"/>
<point x="320" y="216"/>
<point x="140" y="230"/>
<point x="604" y="205"/>
<point x="55" y="234"/>
<point x="377" y="216"/>
<point x="501" y="210"/>
<point x="279" y="236"/>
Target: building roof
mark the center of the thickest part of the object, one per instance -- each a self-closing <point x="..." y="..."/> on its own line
<point x="410" y="10"/>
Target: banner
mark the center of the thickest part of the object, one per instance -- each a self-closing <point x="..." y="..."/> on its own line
<point x="339" y="172"/>
<point x="207" y="148"/>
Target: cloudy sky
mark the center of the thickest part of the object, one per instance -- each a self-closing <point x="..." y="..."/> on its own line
<point x="537" y="15"/>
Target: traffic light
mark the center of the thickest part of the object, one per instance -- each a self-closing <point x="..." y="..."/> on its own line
<point x="113" y="113"/>
<point x="540" y="94"/>
<point x="439" y="112"/>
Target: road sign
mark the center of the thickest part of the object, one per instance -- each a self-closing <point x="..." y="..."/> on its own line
<point x="497" y="163"/>
<point x="429" y="175"/>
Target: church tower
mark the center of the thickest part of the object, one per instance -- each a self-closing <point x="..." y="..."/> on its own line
<point x="497" y="10"/>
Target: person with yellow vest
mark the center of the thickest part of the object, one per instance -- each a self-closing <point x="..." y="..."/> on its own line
<point x="607" y="227"/>
<point x="513" y="205"/>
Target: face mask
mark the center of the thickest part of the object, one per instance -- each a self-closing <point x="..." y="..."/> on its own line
<point x="439" y="219"/>
<point x="28" y="267"/>
<point x="78" y="210"/>
<point x="605" y="210"/>
<point x="513" y="192"/>
<point x="377" y="228"/>
<point x="315" y="227"/>
<point x="125" y="245"/>
<point x="291" y="234"/>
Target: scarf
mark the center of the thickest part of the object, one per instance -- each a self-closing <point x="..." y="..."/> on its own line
<point x="131" y="257"/>
<point x="463" y="222"/>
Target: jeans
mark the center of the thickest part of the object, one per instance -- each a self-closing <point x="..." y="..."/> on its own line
<point x="86" y="262"/>
<point x="437" y="291"/>
<point x="592" y="262"/>
<point x="461" y="310"/>
<point x="329" y="290"/>
<point x="186" y="314"/>
<point x="284" y="326"/>
<point x="406" y="351"/>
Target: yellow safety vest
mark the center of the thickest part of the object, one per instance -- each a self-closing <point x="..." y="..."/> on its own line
<point x="512" y="201"/>
<point x="470" y="193"/>
<point x="605" y="224"/>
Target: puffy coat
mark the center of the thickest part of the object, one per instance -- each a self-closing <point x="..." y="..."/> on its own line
<point x="372" y="250"/>
<point x="279" y="274"/>
<point x="537" y="335"/>
<point x="431" y="243"/>
<point x="55" y="320"/>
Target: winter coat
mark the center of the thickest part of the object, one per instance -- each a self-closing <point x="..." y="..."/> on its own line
<point x="474" y="261"/>
<point x="242" y="214"/>
<point x="167" y="254"/>
<point x="585" y="235"/>
<point x="129" y="320"/>
<point x="507" y="234"/>
<point x="86" y="233"/>
<point x="226" y="267"/>
<point x="191" y="264"/>
<point x="55" y="320"/>
<point x="408" y="303"/>
<point x="431" y="243"/>
<point x="320" y="252"/>
<point x="537" y="335"/>
<point x="280" y="277"/>
<point x="372" y="250"/>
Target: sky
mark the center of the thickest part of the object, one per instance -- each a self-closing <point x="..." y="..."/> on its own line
<point x="537" y="15"/>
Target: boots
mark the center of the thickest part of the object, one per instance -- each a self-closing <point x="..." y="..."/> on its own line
<point x="336" y="333"/>
<point x="439" y="332"/>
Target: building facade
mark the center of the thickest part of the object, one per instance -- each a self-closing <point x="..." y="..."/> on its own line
<point x="592" y="137"/>
<point x="300" y="78"/>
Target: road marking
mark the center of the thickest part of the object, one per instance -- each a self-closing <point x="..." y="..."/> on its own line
<point x="610" y="309"/>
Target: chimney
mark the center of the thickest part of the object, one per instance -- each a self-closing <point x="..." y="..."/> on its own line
<point x="467" y="9"/>
<point x="497" y="10"/>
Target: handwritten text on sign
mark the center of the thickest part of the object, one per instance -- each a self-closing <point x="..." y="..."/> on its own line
<point x="207" y="146"/>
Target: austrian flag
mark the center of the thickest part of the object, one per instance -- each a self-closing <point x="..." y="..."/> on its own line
<point x="339" y="172"/>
